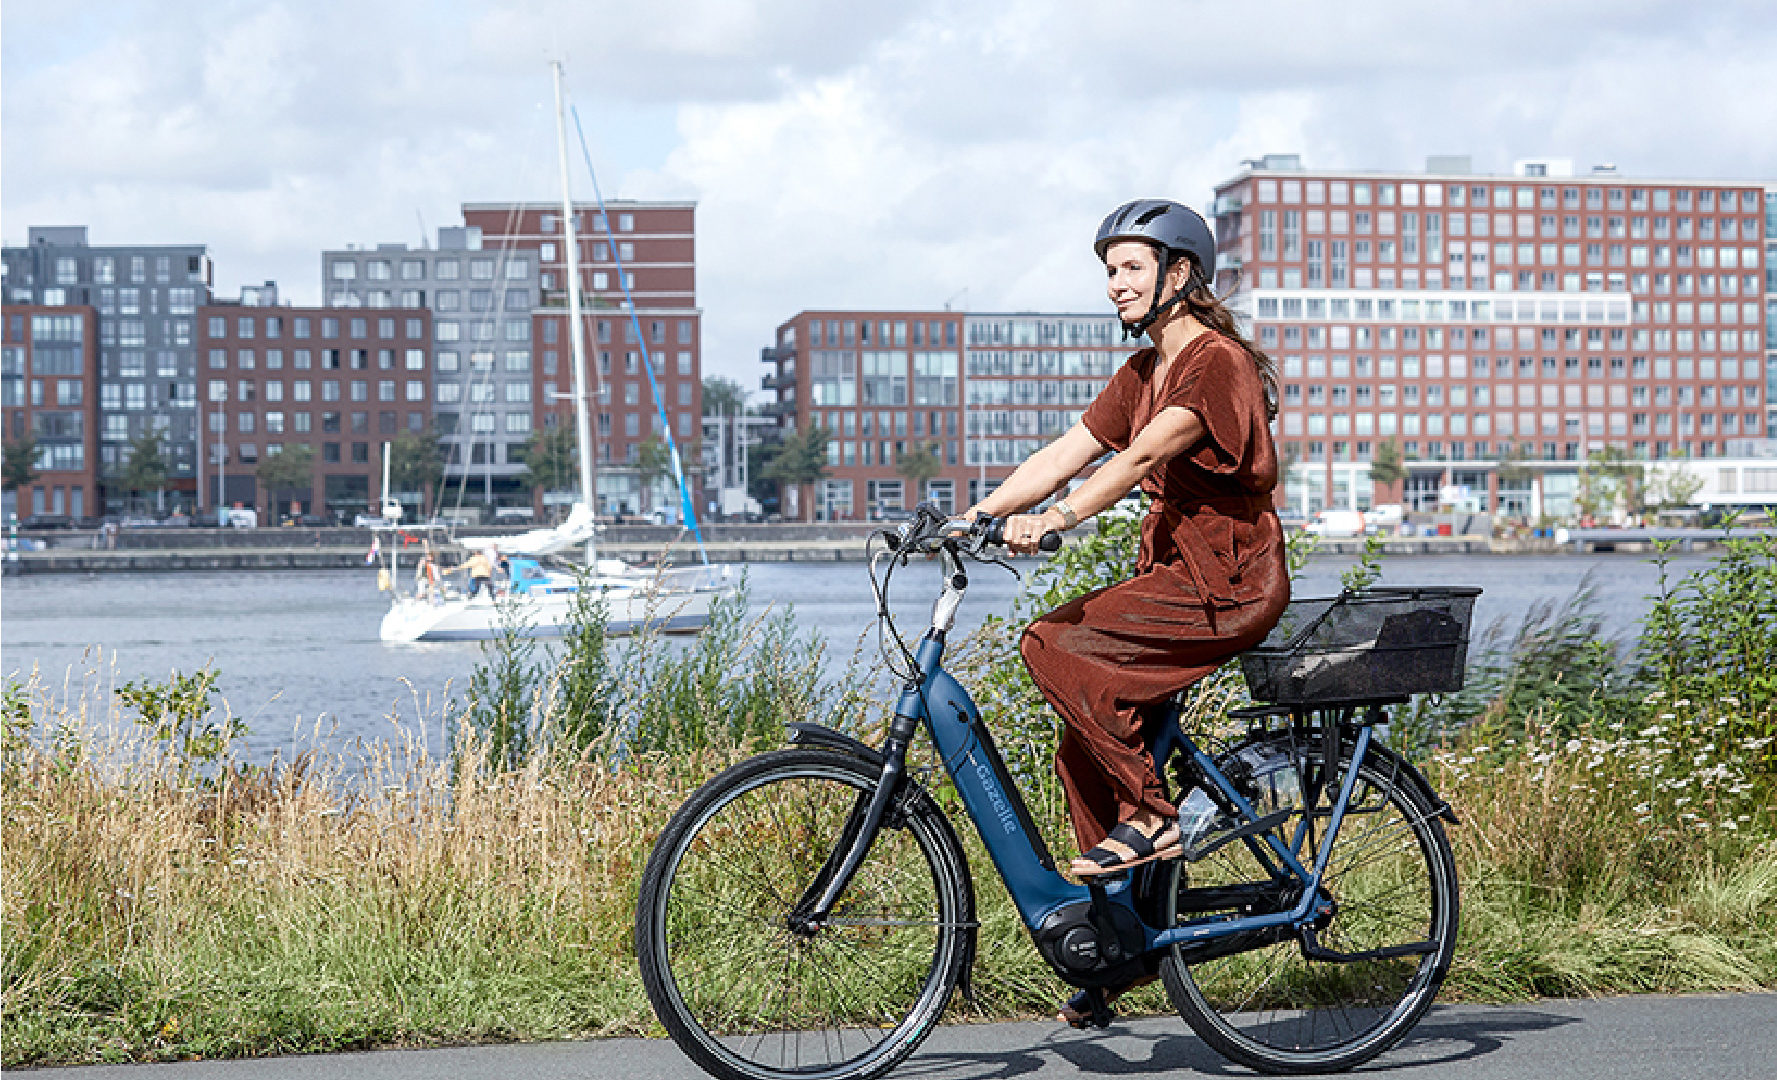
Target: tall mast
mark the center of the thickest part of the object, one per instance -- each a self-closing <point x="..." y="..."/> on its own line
<point x="576" y="330"/>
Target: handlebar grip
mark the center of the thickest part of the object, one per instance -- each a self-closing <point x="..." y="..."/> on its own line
<point x="996" y="534"/>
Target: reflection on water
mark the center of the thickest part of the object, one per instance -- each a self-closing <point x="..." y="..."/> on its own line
<point x="296" y="648"/>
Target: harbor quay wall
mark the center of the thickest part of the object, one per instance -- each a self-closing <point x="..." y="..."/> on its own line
<point x="337" y="556"/>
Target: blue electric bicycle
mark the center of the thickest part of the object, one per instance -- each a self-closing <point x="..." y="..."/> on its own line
<point x="809" y="912"/>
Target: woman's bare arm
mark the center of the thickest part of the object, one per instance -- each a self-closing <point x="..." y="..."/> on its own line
<point x="1043" y="473"/>
<point x="1169" y="434"/>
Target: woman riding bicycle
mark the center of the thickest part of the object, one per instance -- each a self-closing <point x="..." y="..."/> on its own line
<point x="1188" y="421"/>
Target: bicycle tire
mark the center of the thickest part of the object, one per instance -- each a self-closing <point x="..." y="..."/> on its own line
<point x="739" y="992"/>
<point x="1274" y="1008"/>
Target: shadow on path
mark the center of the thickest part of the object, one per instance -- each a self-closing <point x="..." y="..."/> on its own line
<point x="1159" y="1045"/>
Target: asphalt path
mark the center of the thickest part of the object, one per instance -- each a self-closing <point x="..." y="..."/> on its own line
<point x="1718" y="1037"/>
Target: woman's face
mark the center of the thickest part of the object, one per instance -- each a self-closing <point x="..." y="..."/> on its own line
<point x="1131" y="267"/>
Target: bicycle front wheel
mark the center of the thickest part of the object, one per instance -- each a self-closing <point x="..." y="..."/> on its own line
<point x="1291" y="1003"/>
<point x="748" y="996"/>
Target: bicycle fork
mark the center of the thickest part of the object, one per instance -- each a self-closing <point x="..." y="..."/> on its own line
<point x="811" y="910"/>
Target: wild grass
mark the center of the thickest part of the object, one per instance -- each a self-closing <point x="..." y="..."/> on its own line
<point x="159" y="903"/>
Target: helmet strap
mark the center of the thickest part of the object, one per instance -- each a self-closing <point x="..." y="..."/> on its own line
<point x="1156" y="308"/>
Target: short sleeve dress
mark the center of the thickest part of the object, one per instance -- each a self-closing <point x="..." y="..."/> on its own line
<point x="1211" y="579"/>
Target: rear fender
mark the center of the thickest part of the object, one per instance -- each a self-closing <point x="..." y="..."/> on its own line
<point x="1410" y="775"/>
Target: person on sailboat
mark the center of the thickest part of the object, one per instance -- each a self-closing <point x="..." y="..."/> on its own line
<point x="480" y="569"/>
<point x="425" y="575"/>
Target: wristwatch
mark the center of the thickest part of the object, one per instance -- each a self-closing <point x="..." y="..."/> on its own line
<point x="1067" y="513"/>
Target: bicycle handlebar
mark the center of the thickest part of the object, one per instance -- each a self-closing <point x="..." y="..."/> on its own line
<point x="930" y="528"/>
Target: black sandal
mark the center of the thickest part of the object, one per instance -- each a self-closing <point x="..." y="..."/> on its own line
<point x="1164" y="844"/>
<point x="1077" y="1013"/>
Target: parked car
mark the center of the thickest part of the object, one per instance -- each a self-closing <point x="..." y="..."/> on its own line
<point x="47" y="521"/>
<point x="1385" y="518"/>
<point x="1336" y="523"/>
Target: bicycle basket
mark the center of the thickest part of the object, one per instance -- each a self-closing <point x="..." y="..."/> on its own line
<point x="1373" y="644"/>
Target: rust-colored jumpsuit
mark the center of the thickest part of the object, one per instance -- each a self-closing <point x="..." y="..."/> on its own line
<point x="1211" y="580"/>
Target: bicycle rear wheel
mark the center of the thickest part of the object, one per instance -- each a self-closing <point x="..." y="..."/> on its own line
<point x="749" y="998"/>
<point x="1275" y="1007"/>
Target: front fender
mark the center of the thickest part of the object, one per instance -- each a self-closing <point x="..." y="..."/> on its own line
<point x="803" y="733"/>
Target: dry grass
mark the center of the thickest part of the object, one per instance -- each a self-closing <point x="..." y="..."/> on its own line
<point x="395" y="899"/>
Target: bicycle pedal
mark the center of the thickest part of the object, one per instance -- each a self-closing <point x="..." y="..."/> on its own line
<point x="1101" y="1009"/>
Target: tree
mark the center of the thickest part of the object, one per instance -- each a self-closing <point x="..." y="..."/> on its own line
<point x="723" y="397"/>
<point x="653" y="461"/>
<point x="1671" y="486"/>
<point x="1513" y="467"/>
<point x="1386" y="467"/>
<point x="1607" y="476"/>
<point x="552" y="460"/>
<point x="290" y="470"/>
<point x="801" y="459"/>
<point x="918" y="465"/>
<point x="20" y="466"/>
<point x="147" y="469"/>
<point x="416" y="463"/>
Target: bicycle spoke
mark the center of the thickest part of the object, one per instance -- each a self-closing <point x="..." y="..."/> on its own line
<point x="1388" y="875"/>
<point x="750" y="998"/>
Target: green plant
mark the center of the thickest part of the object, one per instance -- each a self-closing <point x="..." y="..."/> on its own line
<point x="19" y="465"/>
<point x="551" y="460"/>
<point x="1711" y="639"/>
<point x="416" y="463"/>
<point x="505" y="690"/>
<point x="178" y="713"/>
<point x="1368" y="568"/>
<point x="583" y="697"/>
<point x="801" y="459"/>
<point x="723" y="397"/>
<point x="1386" y="466"/>
<point x="146" y="469"/>
<point x="290" y="469"/>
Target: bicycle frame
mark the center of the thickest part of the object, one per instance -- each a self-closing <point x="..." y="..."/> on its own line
<point x="998" y="811"/>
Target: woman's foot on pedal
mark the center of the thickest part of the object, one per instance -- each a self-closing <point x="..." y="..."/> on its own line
<point x="1076" y="1012"/>
<point x="1128" y="845"/>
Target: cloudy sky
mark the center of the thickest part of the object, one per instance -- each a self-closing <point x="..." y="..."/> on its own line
<point x="894" y="155"/>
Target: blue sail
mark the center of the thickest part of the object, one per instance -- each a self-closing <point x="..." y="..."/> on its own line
<point x="685" y="507"/>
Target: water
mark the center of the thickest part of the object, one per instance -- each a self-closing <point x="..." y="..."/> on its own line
<point x="296" y="648"/>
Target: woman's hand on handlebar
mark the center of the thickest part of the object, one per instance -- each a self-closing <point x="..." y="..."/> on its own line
<point x="1024" y="532"/>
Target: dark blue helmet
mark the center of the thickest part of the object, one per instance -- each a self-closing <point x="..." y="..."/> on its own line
<point x="1174" y="228"/>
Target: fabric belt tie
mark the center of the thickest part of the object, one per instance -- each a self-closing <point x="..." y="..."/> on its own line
<point x="1207" y="570"/>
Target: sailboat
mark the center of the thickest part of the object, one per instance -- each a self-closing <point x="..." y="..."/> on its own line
<point x="540" y="600"/>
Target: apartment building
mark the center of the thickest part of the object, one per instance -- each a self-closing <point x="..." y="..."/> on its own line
<point x="49" y="393"/>
<point x="644" y="364"/>
<point x="1472" y="318"/>
<point x="146" y="297"/>
<point x="479" y="297"/>
<point x="980" y="392"/>
<point x="340" y="380"/>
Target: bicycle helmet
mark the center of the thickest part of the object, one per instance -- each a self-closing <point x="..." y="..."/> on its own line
<point x="1175" y="230"/>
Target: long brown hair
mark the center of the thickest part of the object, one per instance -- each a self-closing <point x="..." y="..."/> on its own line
<point x="1208" y="309"/>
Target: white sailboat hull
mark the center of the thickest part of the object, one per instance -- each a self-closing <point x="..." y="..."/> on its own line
<point x="549" y="615"/>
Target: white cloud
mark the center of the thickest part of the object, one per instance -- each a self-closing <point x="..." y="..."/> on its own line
<point x="867" y="155"/>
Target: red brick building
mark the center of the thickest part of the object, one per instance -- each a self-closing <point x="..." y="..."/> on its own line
<point x="341" y="381"/>
<point x="1469" y="317"/>
<point x="49" y="392"/>
<point x="656" y="245"/>
<point x="981" y="392"/>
